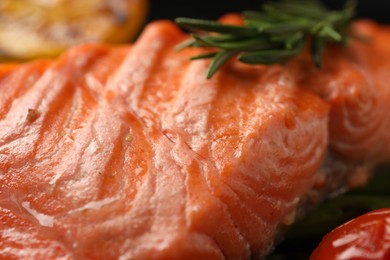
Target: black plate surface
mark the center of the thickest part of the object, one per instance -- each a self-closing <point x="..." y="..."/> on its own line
<point x="212" y="9"/>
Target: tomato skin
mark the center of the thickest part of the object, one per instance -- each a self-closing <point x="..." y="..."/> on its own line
<point x="364" y="238"/>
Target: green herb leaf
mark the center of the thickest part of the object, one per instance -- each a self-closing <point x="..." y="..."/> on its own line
<point x="212" y="26"/>
<point x="288" y="27"/>
<point x="317" y="47"/>
<point x="204" y="56"/>
<point x="269" y="56"/>
<point x="218" y="61"/>
<point x="255" y="43"/>
<point x="276" y="33"/>
<point x="186" y="44"/>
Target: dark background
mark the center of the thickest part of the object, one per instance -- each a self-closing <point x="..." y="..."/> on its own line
<point x="212" y="9"/>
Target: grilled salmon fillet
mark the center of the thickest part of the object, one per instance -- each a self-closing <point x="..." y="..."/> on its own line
<point x="129" y="152"/>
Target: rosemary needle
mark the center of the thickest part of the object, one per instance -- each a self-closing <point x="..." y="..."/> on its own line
<point x="274" y="34"/>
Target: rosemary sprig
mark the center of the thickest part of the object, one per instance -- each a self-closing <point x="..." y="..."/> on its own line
<point x="273" y="35"/>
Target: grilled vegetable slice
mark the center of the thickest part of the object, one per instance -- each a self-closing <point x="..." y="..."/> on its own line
<point x="41" y="28"/>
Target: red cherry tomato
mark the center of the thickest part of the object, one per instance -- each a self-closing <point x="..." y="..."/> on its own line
<point x="364" y="238"/>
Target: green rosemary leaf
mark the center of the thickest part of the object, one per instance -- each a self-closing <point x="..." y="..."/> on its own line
<point x="317" y="47"/>
<point x="185" y="44"/>
<point x="218" y="61"/>
<point x="204" y="56"/>
<point x="350" y="9"/>
<point x="259" y="24"/>
<point x="294" y="39"/>
<point x="267" y="57"/>
<point x="293" y="9"/>
<point x="276" y="13"/>
<point x="245" y="44"/>
<point x="271" y="56"/>
<point x="273" y="35"/>
<point x="288" y="27"/>
<point x="288" y="40"/>
<point x="329" y="32"/>
<point x="212" y="26"/>
<point x="223" y="37"/>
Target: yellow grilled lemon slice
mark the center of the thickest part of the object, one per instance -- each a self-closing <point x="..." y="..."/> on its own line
<point x="44" y="28"/>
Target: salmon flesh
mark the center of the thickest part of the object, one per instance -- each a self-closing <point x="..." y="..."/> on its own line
<point x="130" y="152"/>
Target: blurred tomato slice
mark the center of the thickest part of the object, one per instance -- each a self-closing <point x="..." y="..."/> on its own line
<point x="41" y="28"/>
<point x="365" y="237"/>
